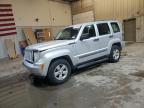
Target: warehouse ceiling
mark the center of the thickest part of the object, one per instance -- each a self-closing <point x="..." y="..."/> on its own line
<point x="67" y="1"/>
<point x="70" y="0"/>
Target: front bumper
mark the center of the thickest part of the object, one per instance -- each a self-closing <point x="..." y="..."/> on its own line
<point x="34" y="68"/>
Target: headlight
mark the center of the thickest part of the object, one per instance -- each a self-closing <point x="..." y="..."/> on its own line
<point x="36" y="55"/>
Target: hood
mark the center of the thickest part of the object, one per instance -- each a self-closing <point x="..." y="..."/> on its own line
<point x="49" y="45"/>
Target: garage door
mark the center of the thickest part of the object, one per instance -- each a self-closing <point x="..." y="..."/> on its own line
<point x="130" y="30"/>
<point x="83" y="17"/>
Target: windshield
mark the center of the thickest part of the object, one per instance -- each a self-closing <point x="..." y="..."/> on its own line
<point x="68" y="33"/>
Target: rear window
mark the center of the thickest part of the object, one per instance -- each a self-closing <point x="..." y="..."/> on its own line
<point x="103" y="29"/>
<point x="115" y="27"/>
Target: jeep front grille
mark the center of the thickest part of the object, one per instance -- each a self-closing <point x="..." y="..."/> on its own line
<point x="29" y="55"/>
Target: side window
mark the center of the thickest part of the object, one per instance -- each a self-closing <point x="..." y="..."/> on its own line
<point x="103" y="29"/>
<point x="115" y="27"/>
<point x="89" y="30"/>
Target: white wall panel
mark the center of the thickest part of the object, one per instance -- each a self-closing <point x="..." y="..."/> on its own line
<point x="60" y="14"/>
<point x="26" y="11"/>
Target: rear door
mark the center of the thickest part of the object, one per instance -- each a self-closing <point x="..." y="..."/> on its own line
<point x="105" y="35"/>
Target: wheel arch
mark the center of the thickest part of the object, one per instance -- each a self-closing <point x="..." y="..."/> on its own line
<point x="66" y="57"/>
<point x="118" y="44"/>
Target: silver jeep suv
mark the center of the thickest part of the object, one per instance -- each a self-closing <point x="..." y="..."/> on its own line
<point x="75" y="46"/>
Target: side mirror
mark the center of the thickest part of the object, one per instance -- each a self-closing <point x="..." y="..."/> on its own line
<point x="84" y="36"/>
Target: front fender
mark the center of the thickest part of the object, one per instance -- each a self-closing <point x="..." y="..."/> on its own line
<point x="48" y="57"/>
<point x="57" y="53"/>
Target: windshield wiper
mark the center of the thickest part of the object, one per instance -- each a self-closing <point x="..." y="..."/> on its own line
<point x="60" y="39"/>
<point x="63" y="39"/>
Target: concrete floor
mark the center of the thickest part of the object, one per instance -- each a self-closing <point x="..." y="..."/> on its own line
<point x="119" y="85"/>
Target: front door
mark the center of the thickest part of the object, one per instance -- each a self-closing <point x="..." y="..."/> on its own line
<point x="86" y="48"/>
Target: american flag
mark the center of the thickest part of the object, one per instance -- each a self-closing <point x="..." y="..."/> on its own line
<point x="7" y="23"/>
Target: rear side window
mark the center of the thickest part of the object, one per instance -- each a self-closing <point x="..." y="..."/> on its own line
<point x="115" y="27"/>
<point x="103" y="29"/>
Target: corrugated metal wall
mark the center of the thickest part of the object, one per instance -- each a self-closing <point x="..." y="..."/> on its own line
<point x="116" y="10"/>
<point x="110" y="9"/>
<point x="120" y="10"/>
<point x="82" y="6"/>
<point x="140" y="29"/>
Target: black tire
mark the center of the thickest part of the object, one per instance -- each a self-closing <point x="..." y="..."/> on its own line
<point x="113" y="59"/>
<point x="52" y="78"/>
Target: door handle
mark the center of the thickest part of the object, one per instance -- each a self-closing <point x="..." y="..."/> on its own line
<point x="111" y="36"/>
<point x="97" y="39"/>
